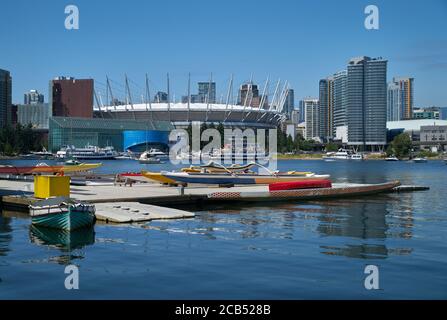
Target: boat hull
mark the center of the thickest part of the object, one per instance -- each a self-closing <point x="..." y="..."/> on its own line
<point x="336" y="191"/>
<point x="224" y="179"/>
<point x="158" y="177"/>
<point x="69" y="219"/>
<point x="48" y="169"/>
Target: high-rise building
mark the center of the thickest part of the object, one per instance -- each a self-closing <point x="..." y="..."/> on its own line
<point x="400" y="99"/>
<point x="301" y="112"/>
<point x="289" y="104"/>
<point x="311" y="115"/>
<point x="326" y="99"/>
<point x="161" y="97"/>
<point x="249" y="95"/>
<point x="207" y="92"/>
<point x="333" y="105"/>
<point x="36" y="114"/>
<point x="340" y="100"/>
<point x="367" y="102"/>
<point x="33" y="97"/>
<point x="5" y="97"/>
<point x="69" y="97"/>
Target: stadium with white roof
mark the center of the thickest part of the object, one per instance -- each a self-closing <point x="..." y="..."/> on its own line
<point x="231" y="112"/>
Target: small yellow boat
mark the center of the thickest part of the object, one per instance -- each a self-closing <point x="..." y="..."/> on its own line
<point x="157" y="176"/>
<point x="299" y="173"/>
<point x="80" y="167"/>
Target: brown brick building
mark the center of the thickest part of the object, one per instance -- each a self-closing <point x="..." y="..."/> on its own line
<point x="71" y="97"/>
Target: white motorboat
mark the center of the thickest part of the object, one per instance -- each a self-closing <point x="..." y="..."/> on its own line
<point x="392" y="158"/>
<point x="147" y="158"/>
<point x="342" y="154"/>
<point x="420" y="160"/>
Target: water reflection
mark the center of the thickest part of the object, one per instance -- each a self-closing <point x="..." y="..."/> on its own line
<point x="368" y="220"/>
<point x="67" y="242"/>
<point x="5" y="235"/>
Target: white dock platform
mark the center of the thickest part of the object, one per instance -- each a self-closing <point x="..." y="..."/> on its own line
<point x="125" y="212"/>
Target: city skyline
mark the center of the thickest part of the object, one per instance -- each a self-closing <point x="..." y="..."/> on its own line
<point x="417" y="48"/>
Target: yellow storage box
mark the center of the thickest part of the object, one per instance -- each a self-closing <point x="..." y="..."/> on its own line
<point x="51" y="186"/>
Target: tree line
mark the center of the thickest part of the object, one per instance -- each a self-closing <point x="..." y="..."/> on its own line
<point x="19" y="139"/>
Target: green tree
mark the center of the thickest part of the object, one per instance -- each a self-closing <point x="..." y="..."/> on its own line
<point x="331" y="147"/>
<point x="401" y="145"/>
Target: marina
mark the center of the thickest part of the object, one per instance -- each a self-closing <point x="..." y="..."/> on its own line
<point x="324" y="235"/>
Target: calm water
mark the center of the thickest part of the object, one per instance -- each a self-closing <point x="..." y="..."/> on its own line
<point x="300" y="250"/>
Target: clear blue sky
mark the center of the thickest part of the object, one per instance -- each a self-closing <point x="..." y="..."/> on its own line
<point x="300" y="41"/>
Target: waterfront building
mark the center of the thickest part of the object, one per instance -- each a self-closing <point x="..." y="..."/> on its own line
<point x="340" y="108"/>
<point x="301" y="112"/>
<point x="366" y="102"/>
<point x="70" y="97"/>
<point x="36" y="114"/>
<point x="420" y="135"/>
<point x="195" y="108"/>
<point x="5" y="97"/>
<point x="333" y="107"/>
<point x="121" y="134"/>
<point x="326" y="110"/>
<point x="400" y="99"/>
<point x="33" y="97"/>
<point x="427" y="113"/>
<point x="311" y="111"/>
<point x="433" y="138"/>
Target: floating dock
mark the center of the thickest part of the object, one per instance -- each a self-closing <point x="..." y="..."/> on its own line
<point x="156" y="194"/>
<point x="127" y="212"/>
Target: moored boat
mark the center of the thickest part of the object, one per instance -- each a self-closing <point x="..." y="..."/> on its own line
<point x="338" y="190"/>
<point x="133" y="176"/>
<point x="43" y="168"/>
<point x="62" y="213"/>
<point x="391" y="158"/>
<point x="213" y="167"/>
<point x="419" y="160"/>
<point x="294" y="185"/>
<point x="342" y="154"/>
<point x="153" y="156"/>
<point x="89" y="152"/>
<point x="158" y="177"/>
<point x="238" y="178"/>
